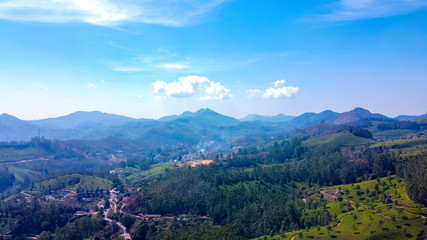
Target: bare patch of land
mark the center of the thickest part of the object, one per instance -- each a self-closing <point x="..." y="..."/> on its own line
<point x="194" y="163"/>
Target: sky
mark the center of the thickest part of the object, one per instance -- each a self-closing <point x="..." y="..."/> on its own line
<point x="148" y="59"/>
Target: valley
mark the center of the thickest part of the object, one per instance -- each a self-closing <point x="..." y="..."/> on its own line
<point x="354" y="175"/>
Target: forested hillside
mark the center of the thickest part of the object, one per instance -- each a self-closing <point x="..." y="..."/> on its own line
<point x="300" y="185"/>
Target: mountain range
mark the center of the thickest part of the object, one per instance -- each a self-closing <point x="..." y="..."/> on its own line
<point x="256" y="117"/>
<point x="191" y="127"/>
<point x="410" y="118"/>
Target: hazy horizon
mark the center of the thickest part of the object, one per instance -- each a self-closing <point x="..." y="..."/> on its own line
<point x="237" y="117"/>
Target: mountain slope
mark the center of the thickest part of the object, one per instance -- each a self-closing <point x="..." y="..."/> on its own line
<point x="209" y="117"/>
<point x="310" y="119"/>
<point x="91" y="125"/>
<point x="15" y="129"/>
<point x="191" y="127"/>
<point x="355" y="115"/>
<point x="343" y="138"/>
<point x="320" y="129"/>
<point x="76" y="119"/>
<point x="410" y="118"/>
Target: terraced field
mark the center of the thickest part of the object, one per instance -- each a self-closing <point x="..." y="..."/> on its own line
<point x="361" y="214"/>
<point x="400" y="142"/>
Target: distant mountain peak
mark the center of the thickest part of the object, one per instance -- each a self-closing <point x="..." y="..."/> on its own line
<point x="187" y="113"/>
<point x="327" y="112"/>
<point x="75" y="119"/>
<point x="410" y="117"/>
<point x="91" y="113"/>
<point x="361" y="110"/>
<point x="355" y="115"/>
<point x="6" y="116"/>
<point x="204" y="111"/>
<point x="208" y="115"/>
<point x="13" y="128"/>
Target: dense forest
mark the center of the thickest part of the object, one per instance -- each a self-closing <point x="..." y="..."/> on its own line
<point x="413" y="170"/>
<point x="260" y="192"/>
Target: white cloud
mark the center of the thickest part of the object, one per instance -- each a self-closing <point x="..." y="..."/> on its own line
<point x="107" y="12"/>
<point x="185" y="87"/>
<point x="90" y="85"/>
<point x="279" y="83"/>
<point x="347" y="10"/>
<point x="127" y="69"/>
<point x="173" y="66"/>
<point x="215" y="91"/>
<point x="252" y="92"/>
<point x="280" y="91"/>
<point x="113" y="44"/>
<point x="165" y="61"/>
<point x="190" y="86"/>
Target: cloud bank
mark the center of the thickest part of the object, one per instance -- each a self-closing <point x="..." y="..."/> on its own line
<point x="190" y="86"/>
<point x="107" y="12"/>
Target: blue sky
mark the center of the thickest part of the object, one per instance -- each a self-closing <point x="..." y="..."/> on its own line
<point x="152" y="58"/>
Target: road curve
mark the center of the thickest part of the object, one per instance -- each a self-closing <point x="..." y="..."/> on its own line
<point x="113" y="195"/>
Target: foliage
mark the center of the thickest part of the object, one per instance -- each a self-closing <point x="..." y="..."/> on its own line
<point x="79" y="229"/>
<point x="6" y="178"/>
<point x="413" y="169"/>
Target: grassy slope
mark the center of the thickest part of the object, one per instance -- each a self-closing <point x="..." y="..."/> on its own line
<point x="73" y="182"/>
<point x="12" y="154"/>
<point x="405" y="147"/>
<point x="368" y="225"/>
<point x="400" y="142"/>
<point x="20" y="173"/>
<point x="130" y="175"/>
<point x="343" y="138"/>
<point x="393" y="134"/>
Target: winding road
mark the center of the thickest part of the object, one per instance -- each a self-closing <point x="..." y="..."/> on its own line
<point x="113" y="195"/>
<point x="24" y="161"/>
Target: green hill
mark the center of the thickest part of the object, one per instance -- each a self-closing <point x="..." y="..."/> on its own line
<point x="131" y="175"/>
<point x="343" y="138"/>
<point x="376" y="209"/>
<point x="73" y="182"/>
<point x="404" y="147"/>
<point x="400" y="143"/>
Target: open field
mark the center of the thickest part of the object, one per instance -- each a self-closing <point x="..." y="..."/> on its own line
<point x="73" y="182"/>
<point x="132" y="174"/>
